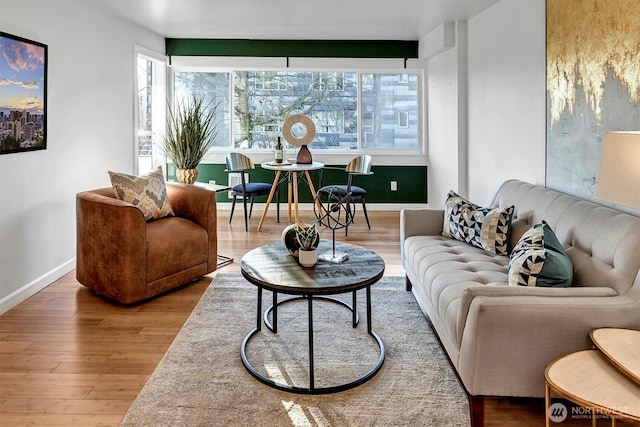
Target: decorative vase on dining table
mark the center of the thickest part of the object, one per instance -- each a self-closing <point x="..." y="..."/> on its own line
<point x="304" y="156"/>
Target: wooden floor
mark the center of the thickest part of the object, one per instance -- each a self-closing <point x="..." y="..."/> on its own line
<point x="69" y="357"/>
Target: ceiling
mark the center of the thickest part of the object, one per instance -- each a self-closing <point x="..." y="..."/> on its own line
<point x="296" y="20"/>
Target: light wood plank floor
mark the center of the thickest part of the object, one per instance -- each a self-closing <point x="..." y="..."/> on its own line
<point x="69" y="357"/>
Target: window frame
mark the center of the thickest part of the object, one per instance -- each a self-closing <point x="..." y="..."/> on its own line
<point x="160" y="95"/>
<point x="360" y="66"/>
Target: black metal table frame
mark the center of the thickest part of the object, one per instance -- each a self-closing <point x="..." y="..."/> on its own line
<point x="274" y="328"/>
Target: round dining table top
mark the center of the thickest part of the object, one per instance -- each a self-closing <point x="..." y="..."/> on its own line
<point x="292" y="166"/>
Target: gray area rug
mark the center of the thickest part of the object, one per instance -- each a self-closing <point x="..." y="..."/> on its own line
<point x="201" y="380"/>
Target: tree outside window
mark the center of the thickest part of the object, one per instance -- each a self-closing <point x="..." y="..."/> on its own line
<point x="262" y="104"/>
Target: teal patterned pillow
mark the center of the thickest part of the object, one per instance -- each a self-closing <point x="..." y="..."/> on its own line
<point x="484" y="228"/>
<point x="538" y="259"/>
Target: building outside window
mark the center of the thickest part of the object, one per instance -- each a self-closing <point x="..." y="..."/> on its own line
<point x="392" y="111"/>
<point x="268" y="80"/>
<point x="328" y="81"/>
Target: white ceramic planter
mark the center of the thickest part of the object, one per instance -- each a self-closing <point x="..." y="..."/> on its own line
<point x="308" y="258"/>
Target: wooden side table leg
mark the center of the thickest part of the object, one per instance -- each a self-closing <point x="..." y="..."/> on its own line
<point x="266" y="207"/>
<point x="313" y="191"/>
<point x="547" y="402"/>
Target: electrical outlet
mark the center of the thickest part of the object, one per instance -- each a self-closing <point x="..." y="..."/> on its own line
<point x="234" y="179"/>
<point x="394" y="186"/>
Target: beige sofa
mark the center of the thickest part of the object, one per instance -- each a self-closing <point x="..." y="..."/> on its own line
<point x="500" y="338"/>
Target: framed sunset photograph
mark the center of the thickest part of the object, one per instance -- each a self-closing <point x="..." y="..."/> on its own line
<point x="23" y="94"/>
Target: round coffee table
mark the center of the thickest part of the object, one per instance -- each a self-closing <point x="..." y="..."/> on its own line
<point x="271" y="267"/>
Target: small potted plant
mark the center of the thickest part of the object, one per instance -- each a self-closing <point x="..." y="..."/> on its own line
<point x="307" y="238"/>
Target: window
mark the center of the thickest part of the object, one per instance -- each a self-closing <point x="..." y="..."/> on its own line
<point x="403" y="119"/>
<point x="328" y="81"/>
<point x="266" y="80"/>
<point x="330" y="99"/>
<point x="150" y="105"/>
<point x="393" y="107"/>
<point x="368" y="122"/>
<point x="328" y="121"/>
<point x="213" y="89"/>
<point x="254" y="104"/>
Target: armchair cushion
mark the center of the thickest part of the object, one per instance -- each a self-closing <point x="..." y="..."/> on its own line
<point x="147" y="193"/>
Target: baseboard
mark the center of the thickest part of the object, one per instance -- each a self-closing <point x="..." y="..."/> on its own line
<point x="18" y="296"/>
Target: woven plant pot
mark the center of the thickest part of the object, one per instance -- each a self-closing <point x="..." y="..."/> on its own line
<point x="187" y="176"/>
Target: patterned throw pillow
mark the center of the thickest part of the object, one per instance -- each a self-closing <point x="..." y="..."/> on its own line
<point x="148" y="192"/>
<point x="484" y="228"/>
<point x="538" y="259"/>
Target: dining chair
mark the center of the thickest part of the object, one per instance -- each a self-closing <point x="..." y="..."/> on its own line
<point x="239" y="163"/>
<point x="360" y="165"/>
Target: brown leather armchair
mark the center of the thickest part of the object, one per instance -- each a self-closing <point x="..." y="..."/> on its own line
<point x="127" y="259"/>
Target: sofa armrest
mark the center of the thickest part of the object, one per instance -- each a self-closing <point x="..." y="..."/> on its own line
<point x="508" y="340"/>
<point x="197" y="204"/>
<point x="419" y="222"/>
<point x="110" y="245"/>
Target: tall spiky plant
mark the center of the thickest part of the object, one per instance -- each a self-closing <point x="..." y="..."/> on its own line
<point x="190" y="134"/>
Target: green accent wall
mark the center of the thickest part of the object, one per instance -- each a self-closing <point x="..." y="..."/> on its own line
<point x="412" y="182"/>
<point x="293" y="48"/>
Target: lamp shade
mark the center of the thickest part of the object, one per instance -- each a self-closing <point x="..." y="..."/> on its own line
<point x="619" y="175"/>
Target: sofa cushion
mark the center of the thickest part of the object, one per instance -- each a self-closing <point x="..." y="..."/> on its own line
<point x="443" y="268"/>
<point x="484" y="228"/>
<point x="147" y="192"/>
<point x="538" y="259"/>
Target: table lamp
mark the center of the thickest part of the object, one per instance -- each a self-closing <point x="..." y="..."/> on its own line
<point x="619" y="175"/>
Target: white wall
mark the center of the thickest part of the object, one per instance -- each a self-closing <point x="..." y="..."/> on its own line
<point x="89" y="131"/>
<point x="507" y="96"/>
<point x="447" y="119"/>
<point x="487" y="103"/>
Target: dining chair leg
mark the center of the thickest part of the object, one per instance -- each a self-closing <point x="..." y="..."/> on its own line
<point x="251" y="208"/>
<point x="349" y="218"/>
<point x="233" y="205"/>
<point x="246" y="219"/>
<point x="364" y="209"/>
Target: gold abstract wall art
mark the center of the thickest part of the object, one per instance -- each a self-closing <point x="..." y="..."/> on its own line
<point x="593" y="85"/>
